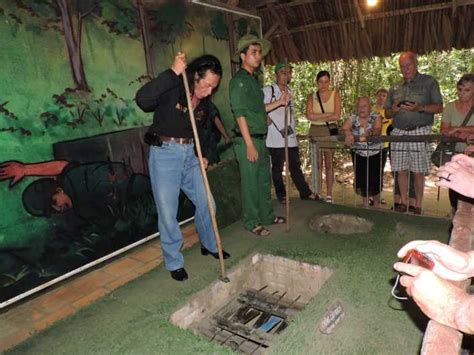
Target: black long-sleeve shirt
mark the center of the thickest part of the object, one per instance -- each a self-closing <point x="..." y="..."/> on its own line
<point x="166" y="97"/>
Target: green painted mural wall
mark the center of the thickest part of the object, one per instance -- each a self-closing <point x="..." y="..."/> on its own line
<point x="41" y="107"/>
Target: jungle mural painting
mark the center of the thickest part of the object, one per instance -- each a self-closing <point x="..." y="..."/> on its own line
<point x="73" y="174"/>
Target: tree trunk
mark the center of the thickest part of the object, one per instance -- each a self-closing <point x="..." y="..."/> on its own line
<point x="146" y="39"/>
<point x="229" y="19"/>
<point x="73" y="47"/>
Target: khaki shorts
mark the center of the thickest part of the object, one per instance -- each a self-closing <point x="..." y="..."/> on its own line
<point x="316" y="132"/>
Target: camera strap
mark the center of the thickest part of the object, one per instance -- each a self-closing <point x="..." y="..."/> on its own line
<point x="272" y="99"/>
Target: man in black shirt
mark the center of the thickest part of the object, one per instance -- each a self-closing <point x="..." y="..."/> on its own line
<point x="172" y="162"/>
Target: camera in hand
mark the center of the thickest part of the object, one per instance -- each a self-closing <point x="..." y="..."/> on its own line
<point x="417" y="258"/>
<point x="289" y="130"/>
<point x="405" y="102"/>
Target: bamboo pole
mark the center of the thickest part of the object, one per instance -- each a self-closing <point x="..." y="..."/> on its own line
<point x="287" y="160"/>
<point x="223" y="276"/>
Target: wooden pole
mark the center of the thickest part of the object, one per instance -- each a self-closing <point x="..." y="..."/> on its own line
<point x="197" y="143"/>
<point x="287" y="170"/>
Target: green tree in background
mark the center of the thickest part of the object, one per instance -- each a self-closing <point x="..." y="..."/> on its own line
<point x="169" y="23"/>
<point x="354" y="78"/>
<point x="68" y="17"/>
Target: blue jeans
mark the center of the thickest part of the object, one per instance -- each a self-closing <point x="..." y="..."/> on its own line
<point x="173" y="167"/>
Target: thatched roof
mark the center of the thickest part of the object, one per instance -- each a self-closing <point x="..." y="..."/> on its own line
<point x="342" y="29"/>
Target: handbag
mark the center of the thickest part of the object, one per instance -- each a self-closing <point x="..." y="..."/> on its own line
<point x="445" y="150"/>
<point x="332" y="127"/>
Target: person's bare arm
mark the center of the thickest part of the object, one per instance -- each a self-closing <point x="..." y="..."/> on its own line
<point x="221" y="129"/>
<point x="15" y="171"/>
<point x="337" y="107"/>
<point x="439" y="299"/>
<point x="377" y="127"/>
<point x="346" y="129"/>
<point x="283" y="100"/>
<point x="252" y="153"/>
<point x="392" y="111"/>
<point x="449" y="263"/>
<point x="310" y="115"/>
<point x="428" y="108"/>
<point x="445" y="128"/>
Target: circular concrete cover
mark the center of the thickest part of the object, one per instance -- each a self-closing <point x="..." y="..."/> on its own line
<point x="340" y="224"/>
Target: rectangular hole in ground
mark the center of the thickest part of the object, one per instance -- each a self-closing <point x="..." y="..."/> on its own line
<point x="247" y="314"/>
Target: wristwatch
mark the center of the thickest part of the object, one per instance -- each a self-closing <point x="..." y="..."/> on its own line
<point x="422" y="109"/>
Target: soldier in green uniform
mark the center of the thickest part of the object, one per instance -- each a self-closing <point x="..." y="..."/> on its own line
<point x="246" y="99"/>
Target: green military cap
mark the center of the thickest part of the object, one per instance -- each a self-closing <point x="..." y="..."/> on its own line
<point x="279" y="66"/>
<point x="246" y="41"/>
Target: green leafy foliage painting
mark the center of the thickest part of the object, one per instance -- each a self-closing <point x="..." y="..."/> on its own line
<point x="71" y="69"/>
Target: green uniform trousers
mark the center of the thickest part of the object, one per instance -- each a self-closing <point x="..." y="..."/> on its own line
<point x="255" y="184"/>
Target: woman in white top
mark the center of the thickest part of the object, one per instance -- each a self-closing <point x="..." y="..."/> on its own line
<point x="322" y="108"/>
<point x="454" y="114"/>
<point x="366" y="156"/>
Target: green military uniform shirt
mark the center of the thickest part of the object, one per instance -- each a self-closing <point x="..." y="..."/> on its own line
<point x="246" y="99"/>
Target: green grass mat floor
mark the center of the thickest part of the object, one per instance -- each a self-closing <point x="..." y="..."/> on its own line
<point x="134" y="318"/>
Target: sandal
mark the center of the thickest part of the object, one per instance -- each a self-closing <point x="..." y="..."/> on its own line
<point x="260" y="230"/>
<point x="401" y="208"/>
<point x="313" y="197"/>
<point x="279" y="220"/>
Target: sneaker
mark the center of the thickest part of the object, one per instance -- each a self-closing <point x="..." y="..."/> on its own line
<point x="328" y="199"/>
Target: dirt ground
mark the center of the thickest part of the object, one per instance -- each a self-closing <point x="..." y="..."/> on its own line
<point x="435" y="201"/>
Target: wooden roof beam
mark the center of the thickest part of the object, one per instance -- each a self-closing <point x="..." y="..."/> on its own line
<point x="282" y="24"/>
<point x="359" y="14"/>
<point x="271" y="30"/>
<point x="413" y="10"/>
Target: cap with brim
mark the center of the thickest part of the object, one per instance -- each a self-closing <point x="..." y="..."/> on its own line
<point x="37" y="197"/>
<point x="280" y="66"/>
<point x="246" y="41"/>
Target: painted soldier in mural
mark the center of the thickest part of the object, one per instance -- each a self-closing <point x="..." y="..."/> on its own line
<point x="173" y="164"/>
<point x="106" y="195"/>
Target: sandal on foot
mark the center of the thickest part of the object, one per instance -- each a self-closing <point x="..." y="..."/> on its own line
<point x="279" y="220"/>
<point x="401" y="208"/>
<point x="260" y="230"/>
<point x="313" y="197"/>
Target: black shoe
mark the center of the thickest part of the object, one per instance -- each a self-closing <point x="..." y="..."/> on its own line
<point x="225" y="254"/>
<point x="179" y="275"/>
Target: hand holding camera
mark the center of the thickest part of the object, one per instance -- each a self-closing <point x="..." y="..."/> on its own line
<point x="285" y="98"/>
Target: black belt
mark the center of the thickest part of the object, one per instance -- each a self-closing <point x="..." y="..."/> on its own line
<point x="177" y="140"/>
<point x="152" y="138"/>
<point x="413" y="128"/>
<point x="255" y="135"/>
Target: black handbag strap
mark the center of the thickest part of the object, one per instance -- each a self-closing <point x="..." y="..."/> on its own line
<point x="468" y="117"/>
<point x="322" y="108"/>
<point x="320" y="103"/>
